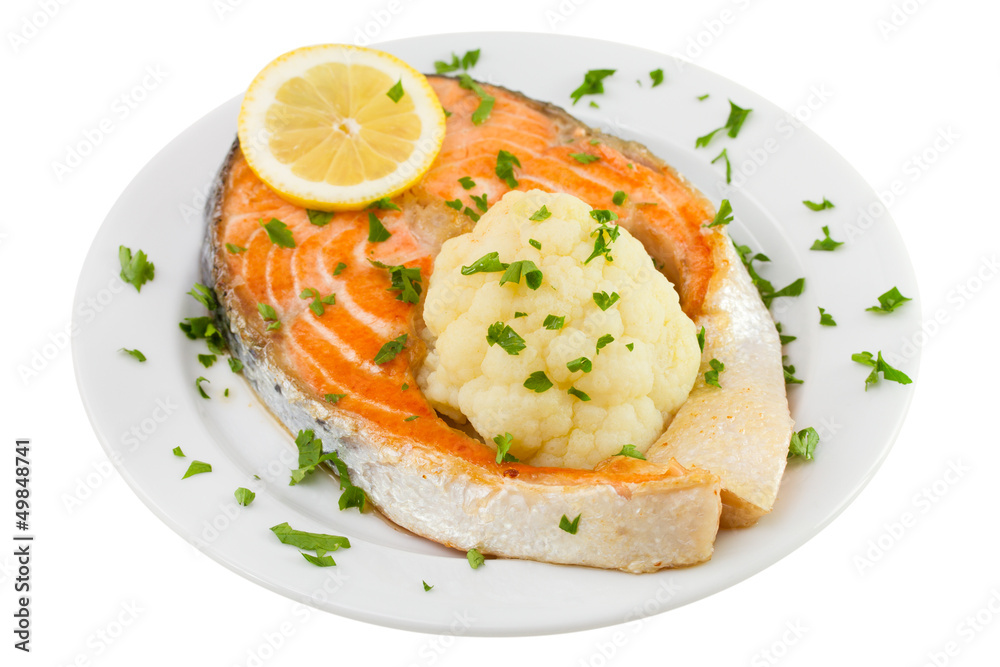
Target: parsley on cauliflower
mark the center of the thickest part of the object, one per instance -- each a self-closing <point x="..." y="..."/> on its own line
<point x="615" y="372"/>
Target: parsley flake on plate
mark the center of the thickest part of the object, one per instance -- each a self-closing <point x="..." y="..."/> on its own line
<point x="657" y="76"/>
<point x="880" y="365"/>
<point x="619" y="197"/>
<point x="427" y="586"/>
<point x="179" y="452"/>
<point x="467" y="183"/>
<point x="235" y="249"/>
<point x="593" y="83"/>
<point x="525" y="267"/>
<point x="826" y="319"/>
<point x="580" y="364"/>
<point x="333" y="398"/>
<point x="701" y="339"/>
<point x="207" y="360"/>
<point x="535" y="244"/>
<point x="724" y="155"/>
<point x="486" y="101"/>
<point x="134" y="353"/>
<point x="137" y="270"/>
<point x="197" y="384"/>
<point x="541" y="214"/>
<point x="268" y="314"/>
<point x="789" y="372"/>
<point x="475" y="558"/>
<point x="737" y="116"/>
<point x="803" y="443"/>
<point x="813" y="206"/>
<point x="197" y="468"/>
<point x="889" y="301"/>
<point x="553" y="323"/>
<point x="244" y="496"/>
<point x="826" y="243"/>
<point x="724" y="216"/>
<point x="503" y="443"/>
<point x="317" y="304"/>
<point x="488" y="263"/>
<point x="573" y="391"/>
<point x="584" y="158"/>
<point x="604" y="341"/>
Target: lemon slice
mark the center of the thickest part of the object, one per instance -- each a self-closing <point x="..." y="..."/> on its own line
<point x="325" y="128"/>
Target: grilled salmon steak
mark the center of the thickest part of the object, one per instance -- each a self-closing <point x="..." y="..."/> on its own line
<point x="723" y="453"/>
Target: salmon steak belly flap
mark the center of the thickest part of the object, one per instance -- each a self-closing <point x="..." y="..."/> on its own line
<point x="721" y="456"/>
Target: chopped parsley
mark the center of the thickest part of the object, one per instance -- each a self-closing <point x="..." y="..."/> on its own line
<point x="604" y="341"/>
<point x="584" y="158"/>
<point x="488" y="263"/>
<point x="340" y="267"/>
<point x="701" y="339"/>
<point x="319" y="218"/>
<point x="764" y="287"/>
<point x="389" y="351"/>
<point x="619" y="197"/>
<point x="469" y="59"/>
<point x="789" y="372"/>
<point x="486" y="101"/>
<point x="207" y="360"/>
<point x="427" y="587"/>
<point x="244" y="496"/>
<point x="630" y="346"/>
<point x="518" y="314"/>
<point x="541" y="214"/>
<point x="826" y="243"/>
<point x="605" y="301"/>
<point x="467" y="183"/>
<point x="524" y="267"/>
<point x="782" y="337"/>
<point x="475" y="558"/>
<point x="201" y="391"/>
<point x="734" y="123"/>
<point x="137" y="270"/>
<point x="604" y="234"/>
<point x="226" y="392"/>
<point x="630" y="450"/>
<point x="480" y="202"/>
<point x="412" y="418"/>
<point x="535" y="244"/>
<point x="472" y="214"/>
<point x="803" y="443"/>
<point x="570" y="526"/>
<point x="826" y="319"/>
<point x="593" y="84"/>
<point x="134" y="353"/>
<point x="197" y="468"/>
<point x="204" y="327"/>
<point x="205" y="296"/>
<point x="384" y="204"/>
<point x="702" y="98"/>
<point x="406" y="281"/>
<point x="268" y="314"/>
<point x="333" y="398"/>
<point x="580" y="364"/>
<point x="316" y="306"/>
<point x="813" y="206"/>
<point x="573" y="391"/>
<point x="455" y="204"/>
<point x="235" y="249"/>
<point x="712" y="376"/>
<point x="657" y="76"/>
<point x="179" y="452"/>
<point x="278" y="232"/>
<point x="235" y="365"/>
<point x="554" y="323"/>
<point x="880" y="365"/>
<point x="503" y="335"/>
<point x="311" y="455"/>
<point x="321" y="543"/>
<point x="396" y="92"/>
<point x="889" y="301"/>
<point x="724" y="155"/>
<point x="376" y="230"/>
<point x="538" y="382"/>
<point x="724" y="216"/>
<point x="503" y="443"/>
<point x="505" y="168"/>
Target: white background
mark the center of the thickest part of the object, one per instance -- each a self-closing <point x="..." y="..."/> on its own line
<point x="894" y="88"/>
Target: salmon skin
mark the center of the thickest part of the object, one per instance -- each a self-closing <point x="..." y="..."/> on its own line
<point x="434" y="479"/>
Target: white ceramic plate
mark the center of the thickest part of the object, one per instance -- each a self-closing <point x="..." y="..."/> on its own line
<point x="142" y="411"/>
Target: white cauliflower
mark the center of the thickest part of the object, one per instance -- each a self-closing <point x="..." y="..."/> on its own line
<point x="635" y="383"/>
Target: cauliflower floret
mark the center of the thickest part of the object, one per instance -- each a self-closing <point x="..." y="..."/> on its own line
<point x="624" y="392"/>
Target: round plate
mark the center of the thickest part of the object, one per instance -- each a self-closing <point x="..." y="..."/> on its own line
<point x="141" y="411"/>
